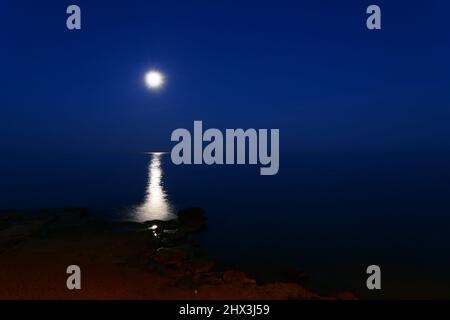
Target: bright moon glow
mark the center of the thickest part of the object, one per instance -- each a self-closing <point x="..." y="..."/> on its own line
<point x="154" y="79"/>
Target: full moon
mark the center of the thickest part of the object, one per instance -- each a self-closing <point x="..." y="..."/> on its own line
<point x="154" y="79"/>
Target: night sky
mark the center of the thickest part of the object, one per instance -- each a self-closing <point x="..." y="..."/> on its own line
<point x="310" y="68"/>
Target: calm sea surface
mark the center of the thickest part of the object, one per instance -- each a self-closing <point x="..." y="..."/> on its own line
<point x="329" y="213"/>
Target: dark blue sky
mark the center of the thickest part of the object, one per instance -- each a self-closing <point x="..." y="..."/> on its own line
<point x="310" y="68"/>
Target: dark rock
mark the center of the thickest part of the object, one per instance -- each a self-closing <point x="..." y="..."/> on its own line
<point x="176" y="234"/>
<point x="173" y="273"/>
<point x="199" y="265"/>
<point x="171" y="256"/>
<point x="210" y="278"/>
<point x="65" y="218"/>
<point x="237" y="277"/>
<point x="185" y="283"/>
<point x="13" y="234"/>
<point x="294" y="274"/>
<point x="8" y="218"/>
<point x="345" y="296"/>
<point x="164" y="225"/>
<point x="194" y="243"/>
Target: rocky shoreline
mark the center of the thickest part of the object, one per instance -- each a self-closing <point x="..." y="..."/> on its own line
<point x="122" y="260"/>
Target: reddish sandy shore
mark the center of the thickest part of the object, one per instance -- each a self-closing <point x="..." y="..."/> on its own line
<point x="141" y="263"/>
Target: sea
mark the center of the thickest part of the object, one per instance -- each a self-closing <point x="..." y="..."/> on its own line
<point x="330" y="214"/>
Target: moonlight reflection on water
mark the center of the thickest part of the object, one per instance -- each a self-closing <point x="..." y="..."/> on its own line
<point x="156" y="205"/>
